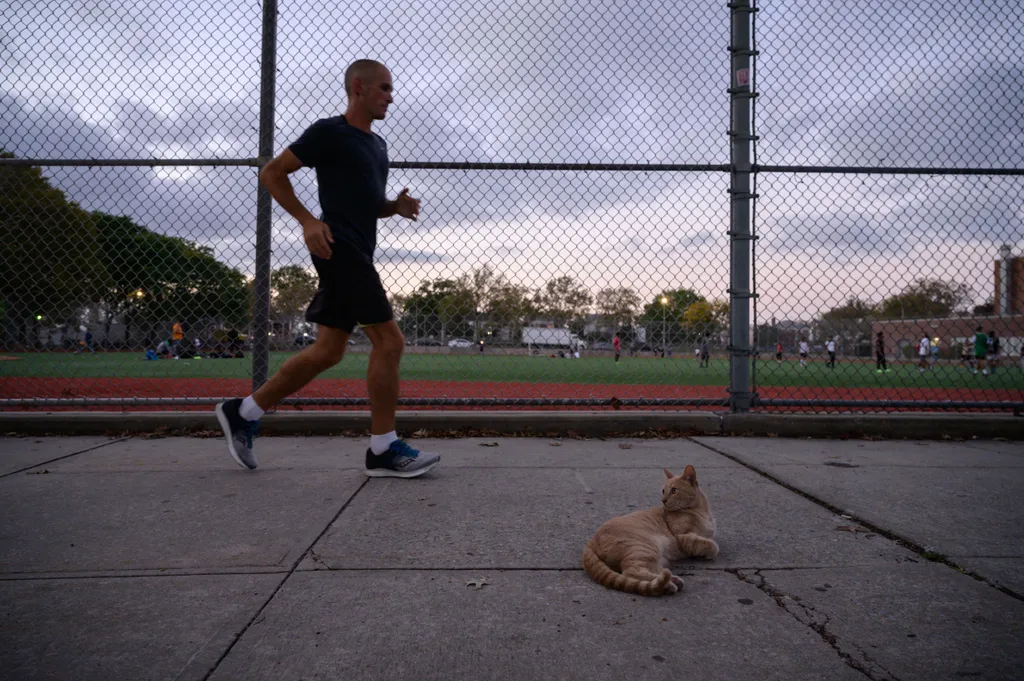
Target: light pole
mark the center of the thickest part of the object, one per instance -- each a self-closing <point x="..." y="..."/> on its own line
<point x="664" y="325"/>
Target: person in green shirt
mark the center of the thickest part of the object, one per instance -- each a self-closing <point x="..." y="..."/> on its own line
<point x="980" y="351"/>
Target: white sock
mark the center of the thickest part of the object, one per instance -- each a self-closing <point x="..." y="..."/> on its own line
<point x="250" y="411"/>
<point x="380" y="443"/>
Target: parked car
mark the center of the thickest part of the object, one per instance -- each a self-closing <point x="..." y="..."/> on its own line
<point x="305" y="339"/>
<point x="460" y="343"/>
<point x="428" y="342"/>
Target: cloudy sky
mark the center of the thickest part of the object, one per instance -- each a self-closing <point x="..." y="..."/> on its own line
<point x="921" y="84"/>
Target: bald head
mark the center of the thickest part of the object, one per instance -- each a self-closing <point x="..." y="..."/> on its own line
<point x="366" y="70"/>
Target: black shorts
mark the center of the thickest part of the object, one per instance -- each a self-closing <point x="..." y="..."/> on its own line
<point x="350" y="293"/>
<point x="778" y="355"/>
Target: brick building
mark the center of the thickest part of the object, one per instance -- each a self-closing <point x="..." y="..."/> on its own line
<point x="1007" y="320"/>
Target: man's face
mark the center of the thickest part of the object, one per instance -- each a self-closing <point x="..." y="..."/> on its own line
<point x="374" y="93"/>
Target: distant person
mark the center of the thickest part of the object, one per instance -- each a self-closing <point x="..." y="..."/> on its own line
<point x="830" y="348"/>
<point x="778" y="353"/>
<point x="804" y="349"/>
<point x="993" y="351"/>
<point x="617" y="346"/>
<point x="177" y="335"/>
<point x="705" y="352"/>
<point x="924" y="351"/>
<point x="980" y="351"/>
<point x="934" y="359"/>
<point x="880" y="363"/>
<point x="85" y="343"/>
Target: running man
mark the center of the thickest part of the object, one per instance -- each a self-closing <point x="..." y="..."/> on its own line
<point x="830" y="347"/>
<point x="803" y="353"/>
<point x="617" y="346"/>
<point x="705" y="352"/>
<point x="778" y="353"/>
<point x="351" y="164"/>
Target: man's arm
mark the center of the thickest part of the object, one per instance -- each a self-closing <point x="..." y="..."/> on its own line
<point x="274" y="177"/>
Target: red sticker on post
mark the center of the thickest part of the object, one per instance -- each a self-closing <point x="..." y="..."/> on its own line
<point x="743" y="77"/>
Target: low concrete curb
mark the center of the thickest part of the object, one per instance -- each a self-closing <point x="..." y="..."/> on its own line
<point x="590" y="424"/>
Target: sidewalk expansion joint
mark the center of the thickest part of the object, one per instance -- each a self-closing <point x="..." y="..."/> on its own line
<point x="818" y="622"/>
<point x="908" y="544"/>
<point x="66" y="456"/>
<point x="260" y="611"/>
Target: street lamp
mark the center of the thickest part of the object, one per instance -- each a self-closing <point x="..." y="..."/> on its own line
<point x="664" y="325"/>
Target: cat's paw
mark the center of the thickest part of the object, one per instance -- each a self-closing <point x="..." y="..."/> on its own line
<point x="672" y="587"/>
<point x="712" y="551"/>
<point x="678" y="581"/>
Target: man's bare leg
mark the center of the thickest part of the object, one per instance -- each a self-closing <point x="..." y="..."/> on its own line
<point x="382" y="375"/>
<point x="299" y="370"/>
<point x="388" y="455"/>
<point x="239" y="418"/>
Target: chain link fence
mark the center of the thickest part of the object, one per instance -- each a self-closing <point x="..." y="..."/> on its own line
<point x="889" y="259"/>
<point x="588" y="191"/>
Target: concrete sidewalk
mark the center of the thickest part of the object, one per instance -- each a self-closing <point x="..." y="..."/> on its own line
<point x="161" y="559"/>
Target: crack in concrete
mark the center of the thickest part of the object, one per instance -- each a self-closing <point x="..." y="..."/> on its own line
<point x="888" y="534"/>
<point x="818" y="622"/>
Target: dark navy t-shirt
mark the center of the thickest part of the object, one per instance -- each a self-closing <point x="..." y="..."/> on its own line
<point x="352" y="175"/>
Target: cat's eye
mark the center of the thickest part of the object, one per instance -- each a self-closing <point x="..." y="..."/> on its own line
<point x="673" y="490"/>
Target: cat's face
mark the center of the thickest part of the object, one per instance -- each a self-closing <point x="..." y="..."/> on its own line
<point x="679" y="491"/>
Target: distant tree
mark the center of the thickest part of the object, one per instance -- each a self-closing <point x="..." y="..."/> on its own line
<point x="705" y="317"/>
<point x="925" y="298"/>
<point x="565" y="301"/>
<point x="291" y="289"/>
<point x="50" y="265"/>
<point x="664" y="321"/>
<point x="510" y="306"/>
<point x="156" y="279"/>
<point x="619" y="306"/>
<point x="849" y="324"/>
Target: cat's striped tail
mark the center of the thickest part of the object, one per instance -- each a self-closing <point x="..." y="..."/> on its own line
<point x="605" y="576"/>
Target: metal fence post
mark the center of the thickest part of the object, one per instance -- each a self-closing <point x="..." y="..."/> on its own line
<point x="741" y="137"/>
<point x="261" y="315"/>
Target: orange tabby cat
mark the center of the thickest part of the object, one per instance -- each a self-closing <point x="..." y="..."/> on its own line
<point x="630" y="552"/>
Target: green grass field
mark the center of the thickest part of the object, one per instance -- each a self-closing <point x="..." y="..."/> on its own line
<point x="494" y="367"/>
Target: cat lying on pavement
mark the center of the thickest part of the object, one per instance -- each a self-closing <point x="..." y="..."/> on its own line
<point x="631" y="552"/>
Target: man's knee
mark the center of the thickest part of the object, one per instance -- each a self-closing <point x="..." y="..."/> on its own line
<point x="327" y="354"/>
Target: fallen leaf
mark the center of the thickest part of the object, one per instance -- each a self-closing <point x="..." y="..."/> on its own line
<point x="488" y="444"/>
<point x="848" y="517"/>
<point x="555" y="444"/>
<point x="422" y="432"/>
<point x="625" y="445"/>
<point x="478" y="583"/>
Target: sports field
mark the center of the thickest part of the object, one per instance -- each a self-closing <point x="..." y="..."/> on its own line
<point x="491" y="375"/>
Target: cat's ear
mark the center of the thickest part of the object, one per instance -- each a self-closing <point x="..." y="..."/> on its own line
<point x="668" y="473"/>
<point x="690" y="475"/>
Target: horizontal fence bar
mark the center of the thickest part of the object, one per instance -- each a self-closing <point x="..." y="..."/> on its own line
<point x="574" y="167"/>
<point x="892" y="404"/>
<point x="130" y="162"/>
<point x="42" y="402"/>
<point x="579" y="167"/>
<point x="405" y="165"/>
<point x="886" y="170"/>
